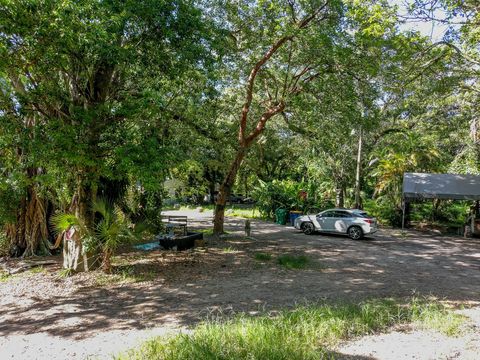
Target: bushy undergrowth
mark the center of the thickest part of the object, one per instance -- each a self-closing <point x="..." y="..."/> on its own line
<point x="449" y="213"/>
<point x="286" y="194"/>
<point x="384" y="210"/>
<point x="303" y="333"/>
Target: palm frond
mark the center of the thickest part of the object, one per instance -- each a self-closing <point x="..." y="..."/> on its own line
<point x="62" y="222"/>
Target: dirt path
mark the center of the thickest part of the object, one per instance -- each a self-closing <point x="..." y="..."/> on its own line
<point x="80" y="316"/>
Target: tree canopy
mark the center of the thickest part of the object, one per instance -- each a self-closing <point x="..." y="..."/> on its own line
<point x="109" y="99"/>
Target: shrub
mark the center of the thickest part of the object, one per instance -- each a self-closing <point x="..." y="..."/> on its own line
<point x="284" y="194"/>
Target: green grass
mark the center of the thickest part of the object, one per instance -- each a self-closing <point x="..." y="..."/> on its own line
<point x="64" y="273"/>
<point x="229" y="250"/>
<point x="124" y="275"/>
<point x="4" y="277"/>
<point x="230" y="210"/>
<point x="249" y="213"/>
<point x="432" y="315"/>
<point x="293" y="262"/>
<point x="209" y="231"/>
<point x="37" y="270"/>
<point x="263" y="257"/>
<point x="303" y="333"/>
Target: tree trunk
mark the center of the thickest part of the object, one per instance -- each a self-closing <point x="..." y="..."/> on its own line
<point x="245" y="185"/>
<point x="358" y="199"/>
<point x="72" y="252"/>
<point x="85" y="195"/>
<point x="339" y="198"/>
<point x="276" y="105"/>
<point x="225" y="190"/>
<point x="473" y="130"/>
<point x="107" y="261"/>
<point x="74" y="256"/>
<point x="212" y="194"/>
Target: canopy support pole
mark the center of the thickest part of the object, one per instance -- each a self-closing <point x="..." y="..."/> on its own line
<point x="403" y="213"/>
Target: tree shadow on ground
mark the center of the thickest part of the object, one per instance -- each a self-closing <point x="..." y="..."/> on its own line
<point x="227" y="279"/>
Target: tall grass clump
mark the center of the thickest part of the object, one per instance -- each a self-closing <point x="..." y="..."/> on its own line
<point x="303" y="333"/>
<point x="435" y="316"/>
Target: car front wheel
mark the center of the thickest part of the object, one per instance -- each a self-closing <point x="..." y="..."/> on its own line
<point x="355" y="233"/>
<point x="308" y="228"/>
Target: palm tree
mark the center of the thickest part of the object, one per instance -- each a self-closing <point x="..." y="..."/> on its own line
<point x="76" y="244"/>
<point x="112" y="228"/>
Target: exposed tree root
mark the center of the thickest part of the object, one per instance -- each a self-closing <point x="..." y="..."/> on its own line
<point x="29" y="236"/>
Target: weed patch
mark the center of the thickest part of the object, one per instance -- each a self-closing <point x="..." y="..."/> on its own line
<point x="263" y="257"/>
<point x="293" y="262"/>
<point x="436" y="317"/>
<point x="124" y="275"/>
<point x="37" y="270"/>
<point x="229" y="250"/>
<point x="4" y="277"/>
<point x="303" y="333"/>
<point x="64" y="273"/>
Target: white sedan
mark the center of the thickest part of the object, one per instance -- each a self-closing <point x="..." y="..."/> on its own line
<point x="354" y="223"/>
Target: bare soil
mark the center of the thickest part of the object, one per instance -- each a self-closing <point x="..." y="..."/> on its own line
<point x="46" y="316"/>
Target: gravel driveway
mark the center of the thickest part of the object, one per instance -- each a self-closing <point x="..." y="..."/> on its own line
<point x="53" y="317"/>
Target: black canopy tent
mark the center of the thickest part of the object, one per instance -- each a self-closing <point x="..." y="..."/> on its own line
<point x="439" y="186"/>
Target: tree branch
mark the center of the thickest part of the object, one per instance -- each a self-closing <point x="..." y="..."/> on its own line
<point x="263" y="120"/>
<point x="458" y="51"/>
<point x="305" y="21"/>
<point x="251" y="82"/>
<point x="242" y="137"/>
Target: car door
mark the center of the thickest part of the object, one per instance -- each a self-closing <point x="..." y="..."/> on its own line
<point x="341" y="221"/>
<point x="326" y="221"/>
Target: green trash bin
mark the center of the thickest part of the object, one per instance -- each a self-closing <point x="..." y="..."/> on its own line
<point x="281" y="216"/>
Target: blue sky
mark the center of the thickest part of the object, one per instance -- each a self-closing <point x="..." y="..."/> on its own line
<point x="433" y="29"/>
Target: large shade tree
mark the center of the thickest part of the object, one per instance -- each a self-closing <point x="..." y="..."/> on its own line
<point x="276" y="57"/>
<point x="83" y="87"/>
<point x="317" y="59"/>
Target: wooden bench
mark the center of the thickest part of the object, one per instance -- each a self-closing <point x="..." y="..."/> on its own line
<point x="173" y="222"/>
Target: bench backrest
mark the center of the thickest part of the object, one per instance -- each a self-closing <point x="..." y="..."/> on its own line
<point x="175" y="219"/>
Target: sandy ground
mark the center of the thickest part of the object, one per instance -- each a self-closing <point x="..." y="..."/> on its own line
<point x="422" y="345"/>
<point x="44" y="316"/>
